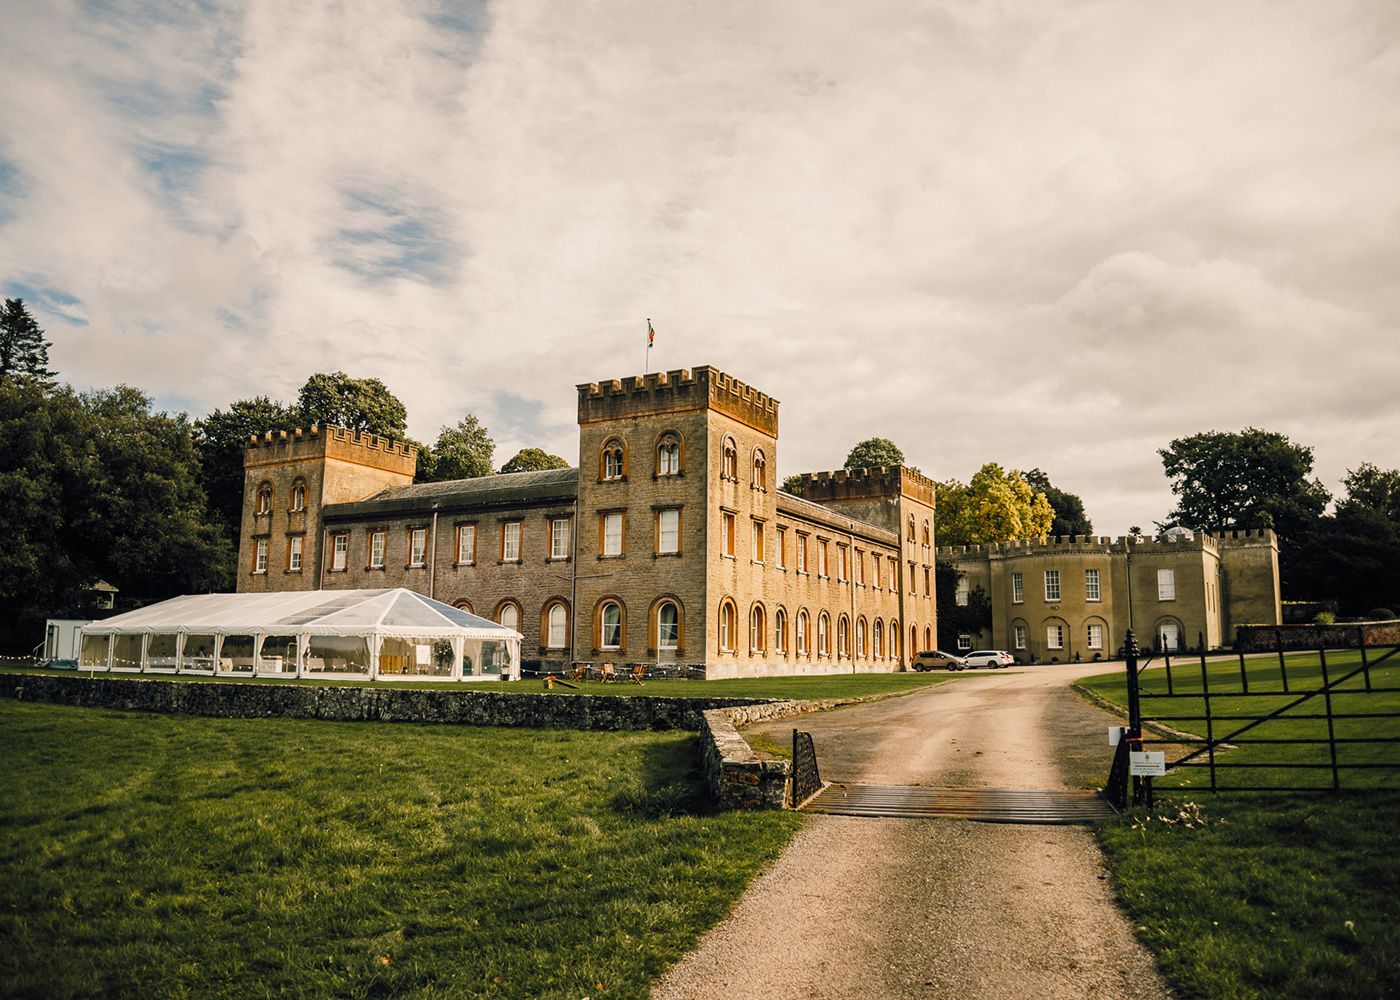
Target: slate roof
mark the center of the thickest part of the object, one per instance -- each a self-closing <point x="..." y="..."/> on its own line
<point x="511" y="489"/>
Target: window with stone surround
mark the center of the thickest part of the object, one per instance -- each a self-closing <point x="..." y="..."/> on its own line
<point x="612" y="533"/>
<point x="668" y="531"/>
<point x="612" y="463"/>
<point x="727" y="535"/>
<point x="559" y="538"/>
<point x="1091" y="585"/>
<point x="1052" y="585"/>
<point x="417" y="546"/>
<point x="260" y="556"/>
<point x="758" y="629"/>
<point x="760" y="470"/>
<point x="729" y="460"/>
<point x="340" y="550"/>
<point x="1018" y="589"/>
<point x="727" y="625"/>
<point x="264" y="498"/>
<point x="668" y="454"/>
<point x="376" y="550"/>
<point x="757" y="541"/>
<point x="294" y="544"/>
<point x="510" y="541"/>
<point x="298" y="495"/>
<point x="824" y="634"/>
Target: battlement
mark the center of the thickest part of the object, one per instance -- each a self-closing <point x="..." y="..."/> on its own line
<point x="883" y="482"/>
<point x="1104" y="543"/>
<point x="679" y="389"/>
<point x="317" y="442"/>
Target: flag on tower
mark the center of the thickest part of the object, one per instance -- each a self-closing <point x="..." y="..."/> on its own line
<point x="651" y="334"/>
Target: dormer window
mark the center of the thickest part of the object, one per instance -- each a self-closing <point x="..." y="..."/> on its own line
<point x="614" y="460"/>
<point x="668" y="455"/>
<point x="299" y="495"/>
<point x="729" y="467"/>
<point x="265" y="498"/>
<point x="760" y="470"/>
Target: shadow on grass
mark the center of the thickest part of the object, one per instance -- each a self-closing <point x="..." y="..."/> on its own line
<point x="670" y="783"/>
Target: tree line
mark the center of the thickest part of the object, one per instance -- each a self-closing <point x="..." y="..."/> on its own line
<point x="102" y="486"/>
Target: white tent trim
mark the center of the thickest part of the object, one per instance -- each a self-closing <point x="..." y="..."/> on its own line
<point x="390" y="634"/>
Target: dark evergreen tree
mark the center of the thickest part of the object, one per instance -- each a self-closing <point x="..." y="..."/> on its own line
<point x="221" y="439"/>
<point x="24" y="353"/>
<point x="1070" y="518"/>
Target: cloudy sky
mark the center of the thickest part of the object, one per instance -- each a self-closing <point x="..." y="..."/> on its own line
<point x="1047" y="234"/>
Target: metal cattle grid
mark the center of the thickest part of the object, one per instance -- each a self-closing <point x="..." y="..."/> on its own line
<point x="987" y="805"/>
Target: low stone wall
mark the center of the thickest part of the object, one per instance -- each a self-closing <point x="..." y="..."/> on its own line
<point x="1267" y="638"/>
<point x="236" y="700"/>
<point x="738" y="777"/>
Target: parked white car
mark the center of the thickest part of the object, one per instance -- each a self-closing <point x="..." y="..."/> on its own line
<point x="989" y="658"/>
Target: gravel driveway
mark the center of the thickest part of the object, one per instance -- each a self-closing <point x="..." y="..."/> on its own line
<point x="860" y="907"/>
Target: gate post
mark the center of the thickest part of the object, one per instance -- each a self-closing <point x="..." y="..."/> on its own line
<point x="1119" y="779"/>
<point x="1130" y="658"/>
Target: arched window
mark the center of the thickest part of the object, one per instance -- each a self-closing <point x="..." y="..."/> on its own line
<point x="463" y="605"/>
<point x="758" y="629"/>
<point x="879" y="639"/>
<point x="894" y="638"/>
<point x="860" y="638"/>
<point x="265" y="498"/>
<point x="928" y="537"/>
<point x="843" y="636"/>
<point x="668" y="454"/>
<point x="823" y="634"/>
<point x="913" y="640"/>
<point x="610" y="625"/>
<point x="928" y="636"/>
<point x="299" y="495"/>
<point x="727" y="625"/>
<point x="556" y="625"/>
<point x="614" y="460"/>
<point x="911" y="527"/>
<point x="760" y="470"/>
<point x="668" y="625"/>
<point x="508" y="614"/>
<point x="729" y="467"/>
<point x="780" y="645"/>
<point x="804" y="637"/>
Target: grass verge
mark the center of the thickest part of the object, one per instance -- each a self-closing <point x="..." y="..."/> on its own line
<point x="1245" y="895"/>
<point x="146" y="855"/>
<point x="831" y="686"/>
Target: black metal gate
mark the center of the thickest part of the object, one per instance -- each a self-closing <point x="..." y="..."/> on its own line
<point x="1256" y="701"/>
<point x="806" y="776"/>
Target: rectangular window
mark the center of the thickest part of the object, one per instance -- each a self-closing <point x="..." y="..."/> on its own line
<point x="466" y="544"/>
<point x="510" y="541"/>
<point x="858" y="563"/>
<point x="1019" y="636"/>
<point x="963" y="593"/>
<point x="875" y="570"/>
<point x="612" y="534"/>
<point x="842" y="553"/>
<point x="727" y="536"/>
<point x="780" y="554"/>
<point x="260" y="559"/>
<point x="1055" y="636"/>
<point x="821" y="556"/>
<point x="928" y="581"/>
<point x="758" y="541"/>
<point x="1018" y="589"/>
<point x="668" y="531"/>
<point x="894" y="573"/>
<point x="559" y="538"/>
<point x="1166" y="585"/>
<point x="1091" y="585"/>
<point x="340" y="547"/>
<point x="376" y="550"/>
<point x="417" y="545"/>
<point x="1052" y="585"/>
<point x="913" y="581"/>
<point x="1096" y="637"/>
<point x="964" y="640"/>
<point x="801" y="552"/>
<point x="294" y="553"/>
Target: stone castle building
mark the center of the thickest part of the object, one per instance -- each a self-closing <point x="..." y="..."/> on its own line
<point x="669" y="544"/>
<point x="1075" y="598"/>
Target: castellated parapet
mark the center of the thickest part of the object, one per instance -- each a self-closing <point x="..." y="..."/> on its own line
<point x="859" y="484"/>
<point x="316" y="442"/>
<point x="1106" y="543"/>
<point x="675" y="391"/>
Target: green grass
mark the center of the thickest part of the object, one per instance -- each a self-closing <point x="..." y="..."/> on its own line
<point x="831" y="686"/>
<point x="1245" y="895"/>
<point x="166" y="856"/>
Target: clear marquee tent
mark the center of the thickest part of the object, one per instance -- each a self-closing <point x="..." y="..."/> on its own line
<point x="366" y="634"/>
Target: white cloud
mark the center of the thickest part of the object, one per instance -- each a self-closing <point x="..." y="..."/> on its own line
<point x="1046" y="235"/>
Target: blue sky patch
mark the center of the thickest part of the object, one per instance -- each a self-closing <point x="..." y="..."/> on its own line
<point x="393" y="242"/>
<point x="50" y="301"/>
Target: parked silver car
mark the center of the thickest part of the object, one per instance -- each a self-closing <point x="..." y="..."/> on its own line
<point x="933" y="659"/>
<point x="989" y="658"/>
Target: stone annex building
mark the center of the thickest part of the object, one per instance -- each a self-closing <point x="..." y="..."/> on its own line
<point x="669" y="544"/>
<point x="1075" y="598"/>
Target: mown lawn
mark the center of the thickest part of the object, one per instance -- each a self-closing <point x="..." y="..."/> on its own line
<point x="1267" y="894"/>
<point x="167" y="856"/>
<point x="813" y="688"/>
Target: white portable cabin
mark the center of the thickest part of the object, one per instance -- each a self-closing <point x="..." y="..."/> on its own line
<point x="393" y="634"/>
<point x="61" y="639"/>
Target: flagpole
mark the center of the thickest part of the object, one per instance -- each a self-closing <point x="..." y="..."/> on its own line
<point x="646" y="365"/>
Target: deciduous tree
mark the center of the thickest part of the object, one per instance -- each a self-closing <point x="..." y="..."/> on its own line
<point x="361" y="404"/>
<point x="1070" y="518"/>
<point x="872" y="453"/>
<point x="221" y="438"/>
<point x="463" y="451"/>
<point x="998" y="505"/>
<point x="533" y="460"/>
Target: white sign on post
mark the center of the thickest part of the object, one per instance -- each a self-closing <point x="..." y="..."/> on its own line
<point x="1115" y="733"/>
<point x="1151" y="764"/>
